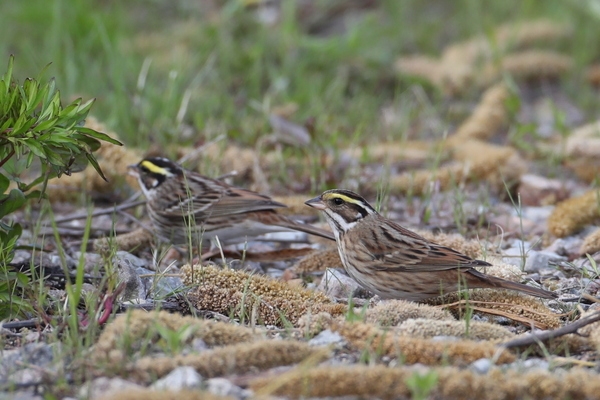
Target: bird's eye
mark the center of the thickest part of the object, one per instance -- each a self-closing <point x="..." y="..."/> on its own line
<point x="338" y="202"/>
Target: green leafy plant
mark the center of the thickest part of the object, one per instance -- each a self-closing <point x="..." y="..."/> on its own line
<point x="36" y="129"/>
<point x="421" y="385"/>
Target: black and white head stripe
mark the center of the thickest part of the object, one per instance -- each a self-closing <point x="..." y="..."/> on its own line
<point x="343" y="209"/>
<point x="341" y="197"/>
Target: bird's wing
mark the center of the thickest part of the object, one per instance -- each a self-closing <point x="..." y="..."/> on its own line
<point x="236" y="201"/>
<point x="209" y="198"/>
<point x="398" y="249"/>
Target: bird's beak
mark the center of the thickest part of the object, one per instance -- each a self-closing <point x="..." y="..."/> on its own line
<point x="132" y="170"/>
<point x="316" y="203"/>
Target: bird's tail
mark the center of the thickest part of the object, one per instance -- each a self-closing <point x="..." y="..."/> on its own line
<point x="519" y="287"/>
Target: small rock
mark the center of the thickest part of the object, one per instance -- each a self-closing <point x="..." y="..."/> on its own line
<point x="326" y="338"/>
<point x="537" y="214"/>
<point x="26" y="377"/>
<point x="515" y="254"/>
<point x="291" y="237"/>
<point x="87" y="289"/>
<point x="199" y="345"/>
<point x="93" y="263"/>
<point x="20" y="395"/>
<point x="538" y="260"/>
<point x="103" y="387"/>
<point x="584" y="263"/>
<point x="516" y="223"/>
<point x="130" y="259"/>
<point x="156" y="284"/>
<point x="35" y="354"/>
<point x="178" y="379"/>
<point x="42" y="258"/>
<point x="567" y="247"/>
<point x="481" y="366"/>
<point x="534" y="363"/>
<point x="223" y="387"/>
<point x="536" y="190"/>
<point x="126" y="266"/>
<point x="337" y="284"/>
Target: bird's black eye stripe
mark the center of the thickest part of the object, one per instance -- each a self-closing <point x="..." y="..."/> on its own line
<point x="337" y="201"/>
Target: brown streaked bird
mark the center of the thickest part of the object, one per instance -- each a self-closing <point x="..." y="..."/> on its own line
<point x="186" y="207"/>
<point x="396" y="263"/>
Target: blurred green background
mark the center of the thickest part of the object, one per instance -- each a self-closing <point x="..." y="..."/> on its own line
<point x="187" y="71"/>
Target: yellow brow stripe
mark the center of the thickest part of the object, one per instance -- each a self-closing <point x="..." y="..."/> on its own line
<point x="154" y="168"/>
<point x="347" y="199"/>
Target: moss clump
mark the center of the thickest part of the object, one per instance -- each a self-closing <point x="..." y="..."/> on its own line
<point x="236" y="359"/>
<point x="394" y="312"/>
<point x="474" y="160"/>
<point x="592" y="331"/>
<point x="318" y="261"/>
<point x="415" y="350"/>
<point x="247" y="296"/>
<point x="487" y="118"/>
<point x="153" y="394"/>
<point x="138" y="239"/>
<point x="452" y="383"/>
<point x="591" y="244"/>
<point x="529" y="64"/>
<point x="130" y="332"/>
<point x="479" y="61"/>
<point x="476" y="330"/>
<point x="518" y="307"/>
<point x="573" y="214"/>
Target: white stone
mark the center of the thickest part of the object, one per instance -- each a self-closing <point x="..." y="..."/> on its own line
<point x="178" y="379"/>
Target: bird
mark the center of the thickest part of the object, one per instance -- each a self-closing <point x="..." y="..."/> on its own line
<point x="188" y="208"/>
<point x="396" y="263"/>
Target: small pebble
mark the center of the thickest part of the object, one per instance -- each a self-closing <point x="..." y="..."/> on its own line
<point x="481" y="366"/>
<point x="178" y="379"/>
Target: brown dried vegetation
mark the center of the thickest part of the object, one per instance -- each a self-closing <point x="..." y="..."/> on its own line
<point x="452" y="383"/>
<point x="573" y="214"/>
<point x="271" y="301"/>
<point x="366" y="337"/>
<point x="153" y="394"/>
<point x="138" y="328"/>
<point x="226" y="360"/>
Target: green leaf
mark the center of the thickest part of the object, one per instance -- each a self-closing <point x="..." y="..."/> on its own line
<point x="79" y="163"/>
<point x="71" y="110"/>
<point x="84" y="108"/>
<point x="60" y="137"/>
<point x="53" y="158"/>
<point x="92" y="143"/>
<point x="8" y="240"/>
<point x="31" y="87"/>
<point x="4" y="183"/>
<point x="94" y="163"/>
<point x="35" y="147"/>
<point x="37" y="180"/>
<point x="23" y="279"/>
<point x="98" y="135"/>
<point x="51" y="107"/>
<point x="36" y="194"/>
<point x="7" y="77"/>
<point x="30" y="159"/>
<point x="45" y="125"/>
<point x="13" y="202"/>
